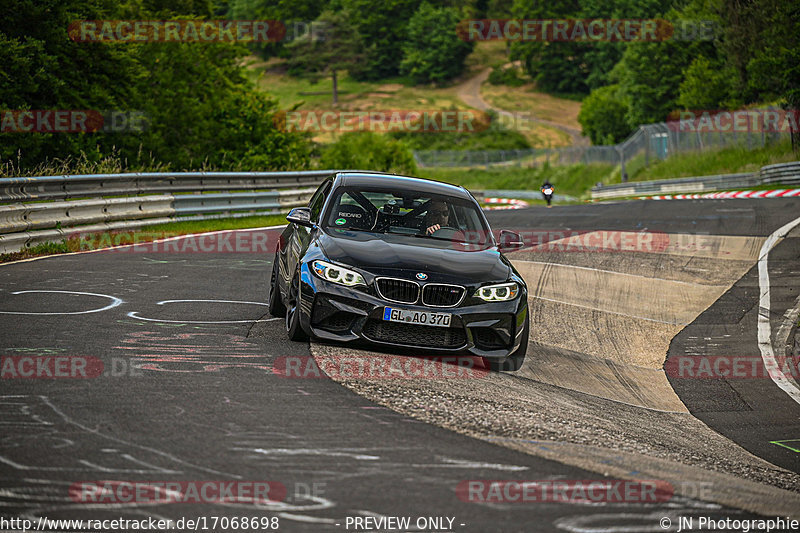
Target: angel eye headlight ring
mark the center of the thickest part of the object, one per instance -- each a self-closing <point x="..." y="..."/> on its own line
<point x="337" y="274"/>
<point x="500" y="292"/>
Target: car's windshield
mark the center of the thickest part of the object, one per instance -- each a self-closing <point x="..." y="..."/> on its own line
<point x="406" y="212"/>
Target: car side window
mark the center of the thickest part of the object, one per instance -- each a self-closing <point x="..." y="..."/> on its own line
<point x="318" y="200"/>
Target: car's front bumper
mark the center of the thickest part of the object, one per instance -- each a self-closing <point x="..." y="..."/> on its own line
<point x="337" y="313"/>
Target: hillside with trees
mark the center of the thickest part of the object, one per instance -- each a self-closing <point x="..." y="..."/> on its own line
<point x="205" y="110"/>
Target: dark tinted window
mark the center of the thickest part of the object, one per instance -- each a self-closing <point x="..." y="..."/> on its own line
<point x="318" y="200"/>
<point x="405" y="212"/>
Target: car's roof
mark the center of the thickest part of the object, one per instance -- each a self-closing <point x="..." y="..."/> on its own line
<point x="425" y="186"/>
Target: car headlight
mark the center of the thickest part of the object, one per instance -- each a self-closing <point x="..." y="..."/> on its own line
<point x="501" y="292"/>
<point x="337" y="274"/>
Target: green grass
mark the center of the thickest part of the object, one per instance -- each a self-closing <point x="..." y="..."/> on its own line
<point x="354" y="95"/>
<point x="145" y="234"/>
<point x="574" y="180"/>
<point x="200" y="226"/>
<point x="725" y="161"/>
<point x="485" y="54"/>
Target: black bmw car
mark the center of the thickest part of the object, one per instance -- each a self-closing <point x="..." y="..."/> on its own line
<point x="400" y="261"/>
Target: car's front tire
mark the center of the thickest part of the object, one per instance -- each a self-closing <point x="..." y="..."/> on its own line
<point x="293" y="309"/>
<point x="275" y="304"/>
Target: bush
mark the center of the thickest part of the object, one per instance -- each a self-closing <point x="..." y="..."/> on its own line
<point x="707" y="85"/>
<point x="491" y="135"/>
<point x="368" y="151"/>
<point x="505" y="76"/>
<point x="602" y="116"/>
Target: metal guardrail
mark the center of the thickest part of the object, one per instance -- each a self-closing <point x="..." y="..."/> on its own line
<point x="681" y="185"/>
<point x="787" y="173"/>
<point x="26" y="217"/>
<point x="99" y="185"/>
<point x="47" y="209"/>
<point x="245" y="201"/>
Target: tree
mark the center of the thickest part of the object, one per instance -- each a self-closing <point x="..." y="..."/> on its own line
<point x="338" y="48"/>
<point x="433" y="51"/>
<point x="294" y="14"/>
<point x="707" y="85"/>
<point x="383" y="27"/>
<point x="602" y="116"/>
<point x="201" y="107"/>
<point x="555" y="66"/>
<point x="649" y="76"/>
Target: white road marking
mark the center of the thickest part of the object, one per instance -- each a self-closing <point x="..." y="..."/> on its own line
<point x="215" y="301"/>
<point x="313" y="451"/>
<point x="764" y="328"/>
<point x="134" y="314"/>
<point x="114" y="303"/>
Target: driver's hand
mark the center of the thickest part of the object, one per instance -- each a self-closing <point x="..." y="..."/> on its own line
<point x="433" y="228"/>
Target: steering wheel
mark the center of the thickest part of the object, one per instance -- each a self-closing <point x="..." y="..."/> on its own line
<point x="445" y="232"/>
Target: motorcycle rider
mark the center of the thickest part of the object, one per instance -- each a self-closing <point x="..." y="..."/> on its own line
<point x="547" y="192"/>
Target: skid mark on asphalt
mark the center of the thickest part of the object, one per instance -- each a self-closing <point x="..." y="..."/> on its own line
<point x="67" y="447"/>
<point x="36" y="419"/>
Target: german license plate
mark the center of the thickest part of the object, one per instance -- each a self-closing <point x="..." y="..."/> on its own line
<point x="426" y="318"/>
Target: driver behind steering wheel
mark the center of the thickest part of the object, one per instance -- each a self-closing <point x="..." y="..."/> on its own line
<point x="436" y="217"/>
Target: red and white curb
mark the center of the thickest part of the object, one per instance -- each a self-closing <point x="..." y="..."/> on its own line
<point x="777" y="193"/>
<point x="505" y="203"/>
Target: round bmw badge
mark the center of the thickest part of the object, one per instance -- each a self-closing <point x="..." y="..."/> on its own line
<point x="421" y="276"/>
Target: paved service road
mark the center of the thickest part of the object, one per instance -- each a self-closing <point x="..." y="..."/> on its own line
<point x="187" y="393"/>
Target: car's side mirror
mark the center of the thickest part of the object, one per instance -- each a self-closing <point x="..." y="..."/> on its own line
<point x="510" y="240"/>
<point x="300" y="216"/>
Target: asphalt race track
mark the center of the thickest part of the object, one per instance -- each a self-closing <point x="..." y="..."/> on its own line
<point x="162" y="368"/>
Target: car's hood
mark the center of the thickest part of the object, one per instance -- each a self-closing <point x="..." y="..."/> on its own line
<point x="405" y="256"/>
